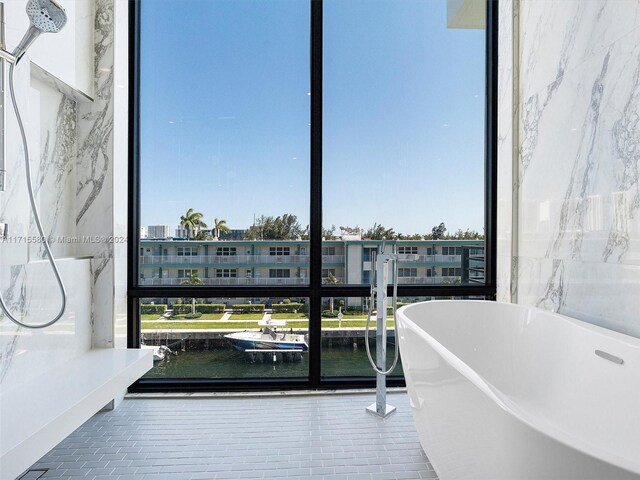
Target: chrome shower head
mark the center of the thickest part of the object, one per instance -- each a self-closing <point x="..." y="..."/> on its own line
<point x="47" y="16"/>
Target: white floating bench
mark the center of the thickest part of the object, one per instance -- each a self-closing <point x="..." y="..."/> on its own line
<point x="36" y="416"/>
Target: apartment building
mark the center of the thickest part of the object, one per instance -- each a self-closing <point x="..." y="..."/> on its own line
<point x="286" y="262"/>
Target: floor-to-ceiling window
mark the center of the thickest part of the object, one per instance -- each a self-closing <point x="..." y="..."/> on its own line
<point x="277" y="147"/>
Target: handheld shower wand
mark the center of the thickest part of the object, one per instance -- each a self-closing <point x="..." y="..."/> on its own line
<point x="46" y="16"/>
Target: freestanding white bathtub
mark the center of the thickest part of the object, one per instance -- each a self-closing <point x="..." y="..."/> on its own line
<point x="506" y="392"/>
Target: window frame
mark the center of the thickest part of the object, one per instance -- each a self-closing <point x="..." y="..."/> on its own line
<point x="316" y="290"/>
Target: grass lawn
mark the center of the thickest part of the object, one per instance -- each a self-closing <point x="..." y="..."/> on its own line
<point x="286" y="316"/>
<point x="205" y="316"/>
<point x="186" y="324"/>
<point x="246" y="316"/>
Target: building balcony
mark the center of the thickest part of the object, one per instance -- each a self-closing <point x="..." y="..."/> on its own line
<point x="426" y="280"/>
<point x="435" y="259"/>
<point x="226" y="282"/>
<point x="235" y="259"/>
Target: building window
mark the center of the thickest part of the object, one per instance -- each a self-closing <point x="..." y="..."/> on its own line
<point x="187" y="251"/>
<point x="328" y="250"/>
<point x="185" y="272"/>
<point x="226" y="273"/>
<point x="407" y="272"/>
<point x="404" y="250"/>
<point x="226" y="251"/>
<point x="451" y="250"/>
<point x="279" y="251"/>
<point x="279" y="273"/>
<point x="366" y="253"/>
<point x="451" y="272"/>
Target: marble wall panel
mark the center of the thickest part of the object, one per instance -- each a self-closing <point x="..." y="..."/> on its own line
<point x="94" y="203"/>
<point x="577" y="223"/>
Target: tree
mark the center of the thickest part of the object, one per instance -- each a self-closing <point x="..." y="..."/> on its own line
<point x="191" y="221"/>
<point x="332" y="280"/>
<point x="192" y="279"/>
<point x="379" y="232"/>
<point x="415" y="236"/>
<point x="327" y="233"/>
<point x="285" y="227"/>
<point x="437" y="232"/>
<point x="203" y="235"/>
<point x="219" y="226"/>
<point x="466" y="235"/>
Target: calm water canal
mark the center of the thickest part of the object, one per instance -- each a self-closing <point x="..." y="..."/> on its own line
<point x="229" y="363"/>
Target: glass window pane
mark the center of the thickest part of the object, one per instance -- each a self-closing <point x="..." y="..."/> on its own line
<point x="403" y="137"/>
<point x="224" y="141"/>
<point x="224" y="338"/>
<point x="343" y="342"/>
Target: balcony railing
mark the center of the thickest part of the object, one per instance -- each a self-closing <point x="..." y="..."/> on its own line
<point x="234" y="259"/>
<point x="241" y="281"/>
<point x="426" y="280"/>
<point x="271" y="259"/>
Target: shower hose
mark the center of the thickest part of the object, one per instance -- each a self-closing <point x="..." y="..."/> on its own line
<point x="380" y="369"/>
<point x="36" y="217"/>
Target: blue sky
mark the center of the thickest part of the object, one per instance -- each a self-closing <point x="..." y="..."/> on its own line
<point x="225" y="113"/>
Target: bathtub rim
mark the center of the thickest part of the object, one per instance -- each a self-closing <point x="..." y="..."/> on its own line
<point x="510" y="407"/>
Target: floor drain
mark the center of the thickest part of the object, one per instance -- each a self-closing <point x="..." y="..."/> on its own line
<point x="33" y="474"/>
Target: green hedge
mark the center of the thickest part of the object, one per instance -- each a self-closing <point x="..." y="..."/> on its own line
<point x="330" y="314"/>
<point x="247" y="308"/>
<point x="193" y="315"/>
<point x="287" y="307"/>
<point x="150" y="308"/>
<point x="179" y="308"/>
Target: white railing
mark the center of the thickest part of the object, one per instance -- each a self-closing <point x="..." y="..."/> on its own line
<point x="229" y="259"/>
<point x="332" y="258"/>
<point x="274" y="259"/>
<point x="157" y="282"/>
<point x="426" y="280"/>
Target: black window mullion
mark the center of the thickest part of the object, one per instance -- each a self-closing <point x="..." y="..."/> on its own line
<point x="133" y="180"/>
<point x="491" y="143"/>
<point x="315" y="233"/>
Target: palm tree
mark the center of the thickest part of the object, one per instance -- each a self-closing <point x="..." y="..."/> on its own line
<point x="332" y="280"/>
<point x="192" y="279"/>
<point x="219" y="226"/>
<point x="192" y="221"/>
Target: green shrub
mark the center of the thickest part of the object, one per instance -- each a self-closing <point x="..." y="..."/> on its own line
<point x="286" y="307"/>
<point x="330" y="314"/>
<point x="399" y="304"/>
<point x="149" y="308"/>
<point x="286" y="300"/>
<point x="247" y="308"/>
<point x="192" y="315"/>
<point x="180" y="308"/>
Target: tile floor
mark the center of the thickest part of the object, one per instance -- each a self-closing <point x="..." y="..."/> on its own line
<point x="286" y="436"/>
